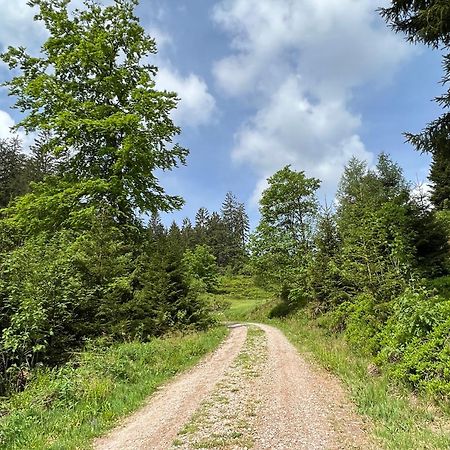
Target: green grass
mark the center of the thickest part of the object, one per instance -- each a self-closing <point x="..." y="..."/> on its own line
<point x="241" y="296"/>
<point x="66" y="408"/>
<point x="400" y="420"/>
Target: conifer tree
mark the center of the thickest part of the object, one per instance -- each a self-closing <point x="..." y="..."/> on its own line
<point x="14" y="173"/>
<point x="201" y="225"/>
<point x="428" y="22"/>
<point x="236" y="223"/>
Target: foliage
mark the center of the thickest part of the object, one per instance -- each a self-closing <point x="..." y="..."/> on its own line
<point x="236" y="224"/>
<point x="200" y="268"/>
<point x="225" y="233"/>
<point x="14" y="170"/>
<point x="397" y="422"/>
<point x="92" y="93"/>
<point x="282" y="243"/>
<point x="363" y="270"/>
<point x="415" y="338"/>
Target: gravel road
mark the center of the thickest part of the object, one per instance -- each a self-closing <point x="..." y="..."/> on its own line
<point x="255" y="391"/>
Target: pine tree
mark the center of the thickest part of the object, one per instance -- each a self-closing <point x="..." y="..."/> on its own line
<point x="428" y="22"/>
<point x="14" y="173"/>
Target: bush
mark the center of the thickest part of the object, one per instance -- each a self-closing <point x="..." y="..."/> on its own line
<point x="416" y="340"/>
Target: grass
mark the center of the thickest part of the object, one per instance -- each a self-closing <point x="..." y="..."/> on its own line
<point x="66" y="408"/>
<point x="400" y="420"/>
<point x="241" y="296"/>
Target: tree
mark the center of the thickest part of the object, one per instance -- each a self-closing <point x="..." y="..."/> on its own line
<point x="14" y="173"/>
<point x="283" y="241"/>
<point x="216" y="237"/>
<point x="428" y="22"/>
<point x="91" y="90"/>
<point x="289" y="205"/>
<point x="325" y="279"/>
<point x="42" y="162"/>
<point x="201" y="225"/>
<point x="237" y="227"/>
<point x="200" y="267"/>
<point x="376" y="230"/>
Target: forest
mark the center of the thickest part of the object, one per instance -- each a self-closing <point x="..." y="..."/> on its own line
<point x="86" y="260"/>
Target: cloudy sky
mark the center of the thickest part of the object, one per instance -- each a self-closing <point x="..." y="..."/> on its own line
<point x="265" y="83"/>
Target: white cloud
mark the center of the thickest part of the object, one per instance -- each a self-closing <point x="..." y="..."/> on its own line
<point x="197" y="106"/>
<point x="161" y="37"/>
<point x="299" y="62"/>
<point x="18" y="27"/>
<point x="6" y="122"/>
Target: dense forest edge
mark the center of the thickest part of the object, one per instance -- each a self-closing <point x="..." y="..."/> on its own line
<point x="100" y="302"/>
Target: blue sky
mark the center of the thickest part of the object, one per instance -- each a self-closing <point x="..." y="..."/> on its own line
<point x="264" y="83"/>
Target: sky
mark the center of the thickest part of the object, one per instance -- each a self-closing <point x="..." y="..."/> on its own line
<point x="265" y="83"/>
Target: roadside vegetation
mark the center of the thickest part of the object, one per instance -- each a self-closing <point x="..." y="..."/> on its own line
<point x="66" y="407"/>
<point x="91" y="281"/>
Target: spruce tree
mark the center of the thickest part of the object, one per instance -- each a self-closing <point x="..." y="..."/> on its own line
<point x="14" y="173"/>
<point x="236" y="224"/>
<point x="428" y="22"/>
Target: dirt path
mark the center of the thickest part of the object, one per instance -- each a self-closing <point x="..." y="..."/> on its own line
<point x="155" y="426"/>
<point x="256" y="392"/>
<point x="304" y="407"/>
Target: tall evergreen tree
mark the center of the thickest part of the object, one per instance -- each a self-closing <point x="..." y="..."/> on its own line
<point x="42" y="161"/>
<point x="217" y="238"/>
<point x="236" y="223"/>
<point x="375" y="228"/>
<point x="14" y="173"/>
<point x="428" y="22"/>
<point x="201" y="225"/>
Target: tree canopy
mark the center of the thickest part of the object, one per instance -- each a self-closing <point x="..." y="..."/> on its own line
<point x="92" y="90"/>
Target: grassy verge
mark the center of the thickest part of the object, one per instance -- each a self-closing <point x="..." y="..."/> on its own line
<point x="400" y="420"/>
<point x="66" y="408"/>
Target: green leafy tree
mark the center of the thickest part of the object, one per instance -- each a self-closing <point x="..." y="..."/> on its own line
<point x="91" y="88"/>
<point x="201" y="268"/>
<point x="283" y="241"/>
<point x="428" y="22"/>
